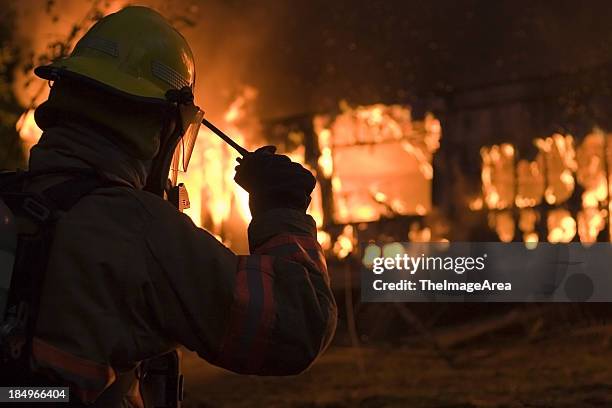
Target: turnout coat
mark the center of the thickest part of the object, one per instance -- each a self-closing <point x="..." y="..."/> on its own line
<point x="130" y="277"/>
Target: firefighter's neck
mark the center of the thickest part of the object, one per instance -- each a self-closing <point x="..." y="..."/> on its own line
<point x="73" y="144"/>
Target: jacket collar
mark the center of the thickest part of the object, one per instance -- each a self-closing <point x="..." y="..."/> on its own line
<point x="75" y="145"/>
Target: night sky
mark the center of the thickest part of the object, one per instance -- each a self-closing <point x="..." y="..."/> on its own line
<point x="318" y="52"/>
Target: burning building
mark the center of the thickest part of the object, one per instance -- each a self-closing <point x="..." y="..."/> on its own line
<point x="484" y="122"/>
<point x="371" y="162"/>
<point x="374" y="170"/>
<point x="561" y="196"/>
<point x="527" y="159"/>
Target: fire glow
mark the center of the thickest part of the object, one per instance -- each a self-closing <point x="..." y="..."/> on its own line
<point x="378" y="160"/>
<point x="396" y="180"/>
<point x="551" y="179"/>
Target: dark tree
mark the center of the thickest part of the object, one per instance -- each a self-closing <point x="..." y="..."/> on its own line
<point x="11" y="151"/>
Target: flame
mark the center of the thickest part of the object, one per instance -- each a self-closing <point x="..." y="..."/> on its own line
<point x="552" y="176"/>
<point x="527" y="220"/>
<point x="503" y="223"/>
<point x="237" y="109"/>
<point x="372" y="137"/>
<point x="591" y="172"/>
<point x="315" y="209"/>
<point x="560" y="161"/>
<point x="215" y="197"/>
<point x="476" y="204"/>
<point x="561" y="226"/>
<point x="28" y="130"/>
<point x="325" y="161"/>
<point x="531" y="240"/>
<point x="530" y="183"/>
<point x="324" y="239"/>
<point x="210" y="183"/>
<point x="418" y="234"/>
<point x="217" y="203"/>
<point x="591" y="221"/>
<point x="344" y="243"/>
<point x="498" y="175"/>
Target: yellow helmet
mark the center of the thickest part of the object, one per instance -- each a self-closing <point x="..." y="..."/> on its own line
<point x="134" y="51"/>
<point x="137" y="53"/>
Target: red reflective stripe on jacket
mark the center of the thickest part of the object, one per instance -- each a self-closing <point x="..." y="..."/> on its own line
<point x="251" y="316"/>
<point x="237" y="314"/>
<point x="301" y="255"/>
<point x="306" y="242"/>
<point x="267" y="316"/>
<point x="254" y="311"/>
<point x="89" y="378"/>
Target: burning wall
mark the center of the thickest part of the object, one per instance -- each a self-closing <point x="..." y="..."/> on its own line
<point x="560" y="196"/>
<point x="378" y="160"/>
<point x="373" y="163"/>
<point x="217" y="202"/>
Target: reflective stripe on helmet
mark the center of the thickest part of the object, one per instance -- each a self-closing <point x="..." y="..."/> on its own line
<point x="122" y="51"/>
<point x="168" y="75"/>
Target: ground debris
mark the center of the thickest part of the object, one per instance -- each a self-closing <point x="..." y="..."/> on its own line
<point x="559" y="371"/>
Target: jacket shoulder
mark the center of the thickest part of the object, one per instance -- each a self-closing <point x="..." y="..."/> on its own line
<point x="126" y="207"/>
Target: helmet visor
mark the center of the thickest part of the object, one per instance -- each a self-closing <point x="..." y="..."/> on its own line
<point x="191" y="117"/>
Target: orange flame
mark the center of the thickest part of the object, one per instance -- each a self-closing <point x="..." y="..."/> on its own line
<point x="561" y="226"/>
<point x="344" y="244"/>
<point x="214" y="195"/>
<point x="498" y="175"/>
<point x="552" y="176"/>
<point x="363" y="138"/>
<point x="28" y="130"/>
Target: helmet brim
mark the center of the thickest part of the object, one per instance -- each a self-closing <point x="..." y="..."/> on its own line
<point x="106" y="75"/>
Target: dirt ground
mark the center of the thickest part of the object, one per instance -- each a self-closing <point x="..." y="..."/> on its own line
<point x="563" y="368"/>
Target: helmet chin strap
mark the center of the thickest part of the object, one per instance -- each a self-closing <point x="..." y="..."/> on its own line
<point x="173" y="132"/>
<point x="157" y="180"/>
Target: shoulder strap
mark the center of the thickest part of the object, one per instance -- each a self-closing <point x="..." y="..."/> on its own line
<point x="64" y="195"/>
<point x="10" y="177"/>
<point x="43" y="209"/>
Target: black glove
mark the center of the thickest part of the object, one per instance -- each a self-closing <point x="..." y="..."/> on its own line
<point x="274" y="181"/>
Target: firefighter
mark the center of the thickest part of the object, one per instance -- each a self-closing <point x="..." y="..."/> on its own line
<point x="129" y="277"/>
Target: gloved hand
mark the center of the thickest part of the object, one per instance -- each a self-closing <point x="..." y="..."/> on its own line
<point x="274" y="181"/>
